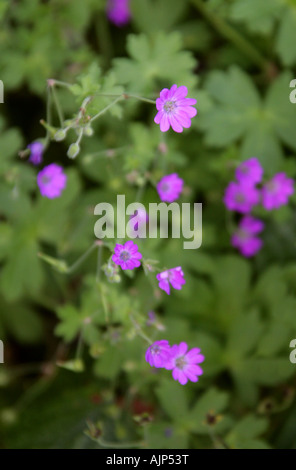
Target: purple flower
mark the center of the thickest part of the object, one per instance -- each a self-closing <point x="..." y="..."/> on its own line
<point x="127" y="255"/>
<point x="175" y="276"/>
<point x="184" y="364"/>
<point x="36" y="152"/>
<point x="118" y="11"/>
<point x="170" y="187"/>
<point x="241" y="197"/>
<point x="174" y="109"/>
<point x="158" y="353"/>
<point x="276" y="192"/>
<point x="244" y="238"/>
<point x="249" y="171"/>
<point x="51" y="181"/>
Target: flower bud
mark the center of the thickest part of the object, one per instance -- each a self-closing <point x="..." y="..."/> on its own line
<point x="60" y="135"/>
<point x="73" y="150"/>
<point x="88" y="131"/>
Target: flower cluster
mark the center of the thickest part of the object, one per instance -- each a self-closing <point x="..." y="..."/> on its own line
<point x="244" y="194"/>
<point x="177" y="358"/>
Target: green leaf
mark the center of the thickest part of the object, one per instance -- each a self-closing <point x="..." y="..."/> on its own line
<point x="173" y="400"/>
<point x="258" y="15"/>
<point x="154" y="59"/>
<point x="287" y="36"/>
<point x="282" y="112"/>
<point x="153" y="15"/>
<point x="212" y="401"/>
<point x="244" y="433"/>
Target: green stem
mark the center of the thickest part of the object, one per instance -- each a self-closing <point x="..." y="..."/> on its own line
<point x="103" y="111"/>
<point x="99" y="262"/>
<point x="232" y="35"/>
<point x="140" y="331"/>
<point x="48" y="116"/>
<point x="79" y="136"/>
<point x="64" y="84"/>
<point x="140" y="98"/>
<point x="79" y="345"/>
<point x="81" y="259"/>
<point x="104" y="303"/>
<point x="58" y="107"/>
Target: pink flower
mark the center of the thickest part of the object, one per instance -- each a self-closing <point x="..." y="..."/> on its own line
<point x="277" y="191"/>
<point x="249" y="171"/>
<point x="118" y="11"/>
<point x="51" y="181"/>
<point x="174" y="109"/>
<point x="170" y="187"/>
<point x="36" y="152"/>
<point x="175" y="276"/>
<point x="184" y="364"/>
<point x="158" y="353"/>
<point x="244" y="238"/>
<point x="241" y="197"/>
<point x="127" y="255"/>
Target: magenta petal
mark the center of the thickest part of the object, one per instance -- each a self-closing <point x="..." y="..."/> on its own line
<point x="164" y="123"/>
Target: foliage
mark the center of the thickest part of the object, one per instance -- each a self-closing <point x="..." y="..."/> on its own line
<point x="73" y="333"/>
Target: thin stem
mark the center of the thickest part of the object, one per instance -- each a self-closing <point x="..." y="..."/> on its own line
<point x="126" y="96"/>
<point x="64" y="84"/>
<point x="232" y="35"/>
<point x="48" y="115"/>
<point x="140" y="98"/>
<point x="99" y="262"/>
<point x="104" y="303"/>
<point x="140" y="331"/>
<point x="58" y="107"/>
<point x="81" y="259"/>
<point x="79" y="345"/>
<point x="103" y="111"/>
<point x="79" y="136"/>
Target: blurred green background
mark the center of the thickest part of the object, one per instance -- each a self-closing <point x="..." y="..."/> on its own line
<point x="71" y="379"/>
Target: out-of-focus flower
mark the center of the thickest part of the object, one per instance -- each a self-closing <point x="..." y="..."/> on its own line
<point x="174" y="109"/>
<point x="174" y="276"/>
<point x="158" y="353"/>
<point x="52" y="181"/>
<point x="276" y="192"/>
<point x="36" y="152"/>
<point x="250" y="171"/>
<point x="127" y="255"/>
<point x="184" y="364"/>
<point x="118" y="12"/>
<point x="245" y="238"/>
<point x="241" y="197"/>
<point x="170" y="187"/>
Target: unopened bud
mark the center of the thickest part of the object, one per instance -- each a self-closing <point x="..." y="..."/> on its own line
<point x="60" y="135"/>
<point x="88" y="131"/>
<point x="73" y="150"/>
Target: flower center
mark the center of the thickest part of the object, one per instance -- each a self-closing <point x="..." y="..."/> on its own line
<point x="155" y="349"/>
<point x="181" y="362"/>
<point x="169" y="107"/>
<point x="244" y="169"/>
<point x="45" y="179"/>
<point x="124" y="255"/>
<point x="242" y="234"/>
<point x="239" y="197"/>
<point x="165" y="187"/>
<point x="271" y="186"/>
